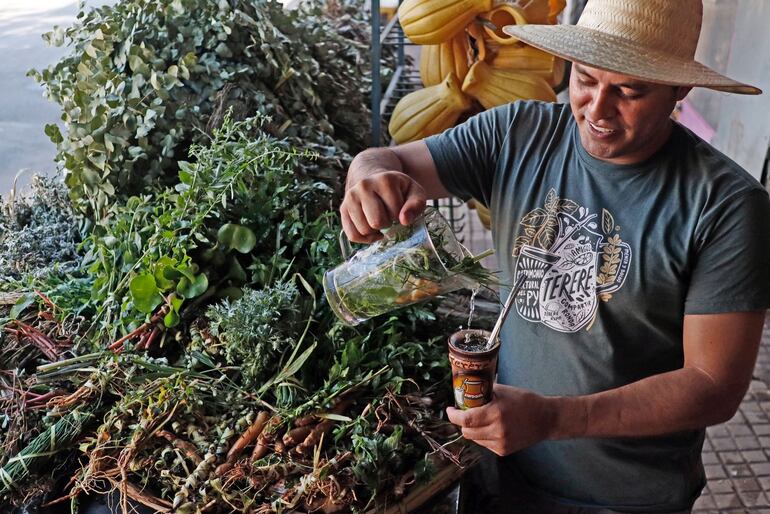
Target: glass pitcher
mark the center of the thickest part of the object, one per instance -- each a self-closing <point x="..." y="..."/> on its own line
<point x="408" y="265"/>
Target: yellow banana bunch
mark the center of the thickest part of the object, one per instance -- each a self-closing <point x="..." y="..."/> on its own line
<point x="492" y="86"/>
<point x="468" y="57"/>
<point x="527" y="59"/>
<point x="436" y="61"/>
<point x="430" y="22"/>
<point x="428" y="111"/>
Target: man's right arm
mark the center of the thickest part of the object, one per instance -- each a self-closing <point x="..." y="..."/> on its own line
<point x="386" y="185"/>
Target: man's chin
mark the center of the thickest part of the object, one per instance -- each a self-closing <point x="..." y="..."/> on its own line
<point x="597" y="149"/>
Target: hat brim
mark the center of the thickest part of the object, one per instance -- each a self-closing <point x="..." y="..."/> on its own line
<point x="611" y="53"/>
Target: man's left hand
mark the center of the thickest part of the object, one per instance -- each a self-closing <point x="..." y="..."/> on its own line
<point x="514" y="419"/>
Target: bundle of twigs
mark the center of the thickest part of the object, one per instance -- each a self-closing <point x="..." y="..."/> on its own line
<point x="47" y="444"/>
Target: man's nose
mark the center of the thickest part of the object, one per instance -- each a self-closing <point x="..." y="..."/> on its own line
<point x="602" y="105"/>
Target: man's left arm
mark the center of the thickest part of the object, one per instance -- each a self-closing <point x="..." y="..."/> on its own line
<point x="720" y="351"/>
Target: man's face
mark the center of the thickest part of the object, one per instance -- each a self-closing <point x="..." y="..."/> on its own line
<point x="621" y="120"/>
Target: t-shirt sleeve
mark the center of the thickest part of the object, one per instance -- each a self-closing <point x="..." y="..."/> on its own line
<point x="732" y="270"/>
<point x="466" y="155"/>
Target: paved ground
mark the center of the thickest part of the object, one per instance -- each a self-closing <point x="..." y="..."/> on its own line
<point x="736" y="454"/>
<point x="23" y="110"/>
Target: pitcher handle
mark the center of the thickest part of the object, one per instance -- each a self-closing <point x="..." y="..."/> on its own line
<point x="345" y="247"/>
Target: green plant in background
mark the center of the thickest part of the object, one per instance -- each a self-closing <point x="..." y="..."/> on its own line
<point x="144" y="77"/>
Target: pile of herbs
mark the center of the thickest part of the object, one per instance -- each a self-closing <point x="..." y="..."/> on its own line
<point x="184" y="357"/>
<point x="144" y="79"/>
<point x="213" y="376"/>
<point x="39" y="232"/>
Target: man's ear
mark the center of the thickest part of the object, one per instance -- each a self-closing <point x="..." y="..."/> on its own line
<point x="681" y="92"/>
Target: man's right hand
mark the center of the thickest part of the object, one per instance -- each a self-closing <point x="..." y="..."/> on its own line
<point x="387" y="186"/>
<point x="378" y="201"/>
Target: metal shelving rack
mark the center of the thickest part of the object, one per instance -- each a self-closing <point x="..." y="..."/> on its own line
<point x="405" y="79"/>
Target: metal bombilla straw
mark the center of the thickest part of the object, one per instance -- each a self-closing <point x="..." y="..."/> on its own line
<point x="506" y="309"/>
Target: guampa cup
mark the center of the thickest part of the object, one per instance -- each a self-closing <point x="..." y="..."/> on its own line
<point x="473" y="367"/>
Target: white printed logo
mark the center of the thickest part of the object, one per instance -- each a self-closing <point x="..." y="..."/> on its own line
<point x="571" y="262"/>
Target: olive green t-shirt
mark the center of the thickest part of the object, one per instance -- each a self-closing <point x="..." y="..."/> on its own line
<point x="615" y="255"/>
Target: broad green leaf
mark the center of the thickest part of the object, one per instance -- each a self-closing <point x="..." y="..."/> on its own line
<point x="237" y="237"/>
<point x="177" y="272"/>
<point x="145" y="293"/>
<point x="162" y="265"/>
<point x="191" y="289"/>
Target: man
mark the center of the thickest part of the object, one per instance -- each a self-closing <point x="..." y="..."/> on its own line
<point x="646" y="256"/>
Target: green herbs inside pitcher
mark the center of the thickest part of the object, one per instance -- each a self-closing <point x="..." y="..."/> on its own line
<point x="408" y="265"/>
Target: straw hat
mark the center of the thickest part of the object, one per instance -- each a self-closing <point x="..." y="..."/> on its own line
<point x="651" y="40"/>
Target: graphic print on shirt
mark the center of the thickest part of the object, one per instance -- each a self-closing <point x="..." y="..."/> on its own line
<point x="572" y="260"/>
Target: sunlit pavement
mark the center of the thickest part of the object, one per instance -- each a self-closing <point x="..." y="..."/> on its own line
<point x="737" y="453"/>
<point x="23" y="110"/>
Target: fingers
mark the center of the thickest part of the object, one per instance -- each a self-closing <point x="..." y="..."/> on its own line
<point x="473" y="426"/>
<point x="353" y="233"/>
<point x="393" y="199"/>
<point x="376" y="213"/>
<point x="414" y="203"/>
<point x="465" y="418"/>
<point x="376" y="202"/>
<point x="478" y="434"/>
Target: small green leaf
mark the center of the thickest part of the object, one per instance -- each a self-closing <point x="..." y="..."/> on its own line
<point x="237" y="237"/>
<point x="163" y="263"/>
<point x="53" y="133"/>
<point x="134" y="62"/>
<point x="171" y="319"/>
<point x="24" y="301"/>
<point x="191" y="289"/>
<point x="176" y="302"/>
<point x="145" y="293"/>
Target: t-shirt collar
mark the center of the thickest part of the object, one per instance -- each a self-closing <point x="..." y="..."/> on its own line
<point x="607" y="167"/>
